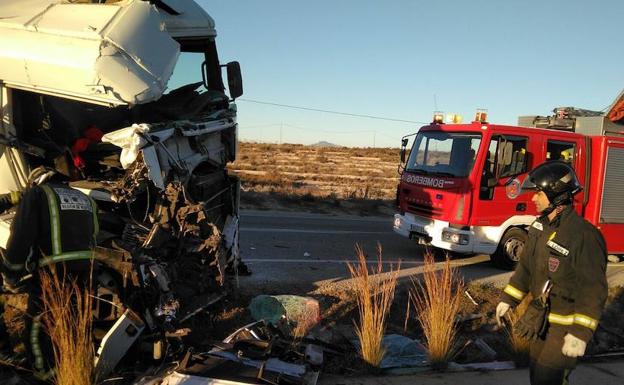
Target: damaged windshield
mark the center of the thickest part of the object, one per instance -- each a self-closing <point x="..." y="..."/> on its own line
<point x="443" y="153"/>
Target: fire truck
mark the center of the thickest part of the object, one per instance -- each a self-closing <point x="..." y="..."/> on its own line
<point x="460" y="186"/>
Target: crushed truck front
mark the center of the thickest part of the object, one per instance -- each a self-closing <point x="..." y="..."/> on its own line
<point x="83" y="89"/>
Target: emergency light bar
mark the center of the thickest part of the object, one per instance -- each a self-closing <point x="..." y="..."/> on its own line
<point x="481" y="115"/>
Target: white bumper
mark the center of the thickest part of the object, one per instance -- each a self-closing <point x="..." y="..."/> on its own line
<point x="430" y="231"/>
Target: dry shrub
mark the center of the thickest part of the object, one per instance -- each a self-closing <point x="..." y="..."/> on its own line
<point x="374" y="292"/>
<point x="303" y="324"/>
<point x="519" y="345"/>
<point x="67" y="318"/>
<point x="437" y="301"/>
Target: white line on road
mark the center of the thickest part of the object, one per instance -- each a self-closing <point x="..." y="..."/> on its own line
<point x="298" y="215"/>
<point x="279" y="230"/>
<point x="340" y="261"/>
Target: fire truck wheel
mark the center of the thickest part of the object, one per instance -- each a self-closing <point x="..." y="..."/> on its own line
<point x="510" y="248"/>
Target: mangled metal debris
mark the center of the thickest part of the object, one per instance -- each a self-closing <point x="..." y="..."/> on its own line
<point x="82" y="90"/>
<point x="256" y="353"/>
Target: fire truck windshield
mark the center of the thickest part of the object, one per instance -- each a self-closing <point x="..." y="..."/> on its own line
<point x="443" y="153"/>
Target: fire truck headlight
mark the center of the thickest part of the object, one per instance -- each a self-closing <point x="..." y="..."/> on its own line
<point x="456" y="238"/>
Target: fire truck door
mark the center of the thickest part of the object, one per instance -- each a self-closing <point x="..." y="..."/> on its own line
<point x="499" y="187"/>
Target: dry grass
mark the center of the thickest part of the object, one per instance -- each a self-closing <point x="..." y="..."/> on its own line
<point x="374" y="291"/>
<point x="323" y="173"/>
<point x="437" y="302"/>
<point x="304" y="323"/>
<point x="519" y="345"/>
<point x="67" y="318"/>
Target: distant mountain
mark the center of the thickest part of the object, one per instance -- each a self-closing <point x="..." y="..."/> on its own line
<point x="323" y="143"/>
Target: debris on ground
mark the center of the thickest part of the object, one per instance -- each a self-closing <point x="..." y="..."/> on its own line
<point x="255" y="353"/>
<point x="494" y="365"/>
<point x="400" y="352"/>
<point x="485" y="348"/>
<point x="295" y="309"/>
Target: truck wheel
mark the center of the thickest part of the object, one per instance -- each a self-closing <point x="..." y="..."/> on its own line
<point x="510" y="248"/>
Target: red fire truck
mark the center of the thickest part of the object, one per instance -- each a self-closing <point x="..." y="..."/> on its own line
<point x="460" y="186"/>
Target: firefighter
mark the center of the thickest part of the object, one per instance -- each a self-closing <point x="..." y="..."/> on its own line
<point x="54" y="226"/>
<point x="563" y="266"/>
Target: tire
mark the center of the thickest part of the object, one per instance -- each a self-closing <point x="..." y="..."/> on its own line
<point x="510" y="248"/>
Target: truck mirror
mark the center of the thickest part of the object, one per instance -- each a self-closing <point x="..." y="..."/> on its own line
<point x="204" y="71"/>
<point x="235" y="79"/>
<point x="404" y="142"/>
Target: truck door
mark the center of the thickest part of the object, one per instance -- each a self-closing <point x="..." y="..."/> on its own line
<point x="499" y="185"/>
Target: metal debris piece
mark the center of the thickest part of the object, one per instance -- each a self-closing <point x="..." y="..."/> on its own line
<point x="470" y="298"/>
<point x="117" y="341"/>
<point x="485" y="348"/>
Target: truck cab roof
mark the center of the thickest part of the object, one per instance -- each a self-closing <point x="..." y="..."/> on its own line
<point x="116" y="53"/>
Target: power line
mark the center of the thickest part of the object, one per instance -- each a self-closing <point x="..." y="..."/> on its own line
<point x="330" y="112"/>
<point x="328" y="131"/>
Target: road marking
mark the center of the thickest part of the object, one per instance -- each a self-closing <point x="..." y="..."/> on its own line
<point x="340" y="261"/>
<point x="297" y="215"/>
<point x="280" y="230"/>
<point x="464" y="262"/>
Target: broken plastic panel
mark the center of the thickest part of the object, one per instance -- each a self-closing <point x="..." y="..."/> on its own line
<point x="117" y="53"/>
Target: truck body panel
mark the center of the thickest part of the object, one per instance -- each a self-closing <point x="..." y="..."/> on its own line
<point x="117" y="54"/>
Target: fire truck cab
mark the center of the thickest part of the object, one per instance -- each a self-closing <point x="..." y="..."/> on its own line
<point x="460" y="186"/>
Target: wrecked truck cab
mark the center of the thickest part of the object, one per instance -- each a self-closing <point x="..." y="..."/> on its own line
<point x="82" y="89"/>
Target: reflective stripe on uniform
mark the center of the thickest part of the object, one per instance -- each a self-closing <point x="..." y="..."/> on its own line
<point x="561" y="319"/>
<point x="13" y="266"/>
<point x="34" y="343"/>
<point x="66" y="257"/>
<point x="55" y="223"/>
<point x="567" y="320"/>
<point x="37" y="353"/>
<point x="512" y="291"/>
<point x="583" y="320"/>
<point x="17" y="266"/>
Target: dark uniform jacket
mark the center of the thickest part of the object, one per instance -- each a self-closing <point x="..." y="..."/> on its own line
<point x="53" y="223"/>
<point x="570" y="252"/>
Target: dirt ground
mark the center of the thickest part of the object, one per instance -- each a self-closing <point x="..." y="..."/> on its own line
<point x="291" y="177"/>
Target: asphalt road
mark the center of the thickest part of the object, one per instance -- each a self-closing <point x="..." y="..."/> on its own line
<point x="301" y="252"/>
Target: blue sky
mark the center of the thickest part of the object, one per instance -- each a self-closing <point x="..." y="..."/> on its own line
<point x="402" y="59"/>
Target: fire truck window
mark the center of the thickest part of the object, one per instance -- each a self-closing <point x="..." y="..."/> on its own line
<point x="486" y="192"/>
<point x="518" y="157"/>
<point x="558" y="150"/>
<point x="442" y="153"/>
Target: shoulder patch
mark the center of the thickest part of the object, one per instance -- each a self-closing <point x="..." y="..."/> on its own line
<point x="537" y="225"/>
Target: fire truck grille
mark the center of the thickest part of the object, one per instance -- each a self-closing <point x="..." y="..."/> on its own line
<point x="424" y="209"/>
